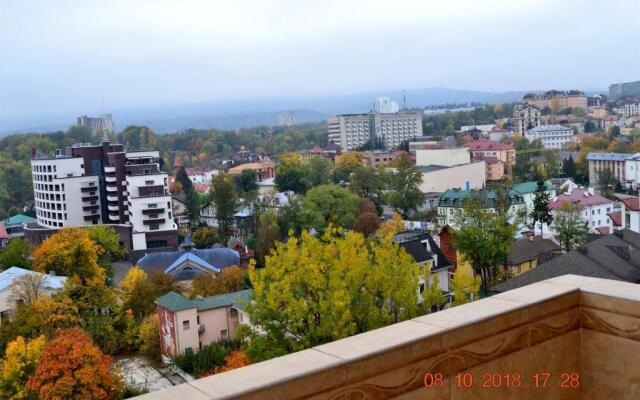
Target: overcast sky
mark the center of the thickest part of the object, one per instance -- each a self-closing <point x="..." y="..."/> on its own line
<point x="66" y="56"/>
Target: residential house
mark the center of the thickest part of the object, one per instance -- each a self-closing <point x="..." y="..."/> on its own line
<point x="631" y="171"/>
<point x="616" y="220"/>
<point x="495" y="169"/>
<point x="525" y="116"/>
<point x="615" y="257"/>
<point x="376" y="158"/>
<point x="551" y="136"/>
<point x="49" y="284"/>
<point x="180" y="215"/>
<point x="631" y="213"/>
<point x="504" y="152"/>
<point x="525" y="253"/>
<point x="187" y="325"/>
<point x="451" y="203"/>
<point x="4" y="236"/>
<point x="267" y="186"/>
<point x="15" y="225"/>
<point x="208" y="214"/>
<point x="189" y="262"/>
<point x="263" y="169"/>
<point x="594" y="208"/>
<point x="426" y="252"/>
<point x="563" y="184"/>
<point x="528" y="192"/>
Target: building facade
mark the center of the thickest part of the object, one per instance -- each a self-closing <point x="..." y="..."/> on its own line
<point x="525" y="117"/>
<point x="624" y="89"/>
<point x="385" y="105"/>
<point x="614" y="162"/>
<point x="437" y="179"/>
<point x="594" y="208"/>
<point x="486" y="149"/>
<point x="551" y="136"/>
<point x="451" y="202"/>
<point x="103" y="184"/>
<point x="98" y="125"/>
<point x="557" y="100"/>
<point x="386" y="131"/>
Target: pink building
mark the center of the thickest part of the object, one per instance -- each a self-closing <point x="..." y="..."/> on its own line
<point x="594" y="208"/>
<point x="188" y="325"/>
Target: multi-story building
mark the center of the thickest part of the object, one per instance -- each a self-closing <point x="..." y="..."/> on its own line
<point x="443" y="157"/>
<point x="557" y="100"/>
<point x="594" y="208"/>
<point x="451" y="203"/>
<point x="385" y="105"/>
<point x="525" y="116"/>
<point x="103" y="184"/>
<point x="551" y="136"/>
<point x="387" y="131"/>
<point x="98" y="125"/>
<point x="333" y="129"/>
<point x="614" y="162"/>
<point x="487" y="149"/>
<point x="624" y="89"/>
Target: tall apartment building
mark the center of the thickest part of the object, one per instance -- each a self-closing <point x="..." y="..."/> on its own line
<point x="551" y="136"/>
<point x="387" y="130"/>
<point x="385" y="105"/>
<point x="614" y="162"/>
<point x="557" y="100"/>
<point x="102" y="184"/>
<point x="98" y="125"/>
<point x="525" y="116"/>
<point x="624" y="89"/>
<point x="333" y="129"/>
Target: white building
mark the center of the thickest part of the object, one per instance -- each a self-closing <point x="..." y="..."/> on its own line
<point x="551" y="136"/>
<point x="632" y="171"/>
<point x="525" y="116"/>
<point x="443" y="157"/>
<point x="103" y="184"/>
<point x="385" y="105"/>
<point x="631" y="213"/>
<point x="594" y="208"/>
<point x="482" y="128"/>
<point x="437" y="179"/>
<point x="387" y="131"/>
<point x="333" y="130"/>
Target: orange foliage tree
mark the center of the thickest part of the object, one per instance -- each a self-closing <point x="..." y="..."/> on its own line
<point x="69" y="252"/>
<point x="72" y="367"/>
<point x="233" y="360"/>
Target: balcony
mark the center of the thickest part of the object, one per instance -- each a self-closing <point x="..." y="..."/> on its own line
<point x="112" y="188"/>
<point x="583" y="332"/>
<point x="152" y="191"/>
<point x="94" y="207"/>
<point x="153" y="221"/>
<point x="153" y="211"/>
<point x="113" y="207"/>
<point x="91" y="217"/>
<point x="112" y="197"/>
<point x="109" y="169"/>
<point x="111" y="179"/>
<point x="90" y="198"/>
<point x="86" y="189"/>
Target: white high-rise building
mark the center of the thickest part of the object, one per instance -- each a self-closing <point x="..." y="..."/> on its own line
<point x="383" y="131"/>
<point x="551" y="136"/>
<point x="102" y="184"/>
<point x="333" y="128"/>
<point x="385" y="105"/>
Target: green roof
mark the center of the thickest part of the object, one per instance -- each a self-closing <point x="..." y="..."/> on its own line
<point x="531" y="187"/>
<point x="18" y="219"/>
<point x="456" y="197"/>
<point x="173" y="301"/>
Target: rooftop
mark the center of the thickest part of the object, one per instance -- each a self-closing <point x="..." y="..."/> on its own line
<point x="570" y="324"/>
<point x="581" y="197"/>
<point x="10" y="274"/>
<point x="531" y="187"/>
<point x="174" y="302"/>
<point x="529" y="248"/>
<point x="632" y="203"/>
<point x="608" y="156"/>
<point x="18" y="219"/>
<point x="549" y="128"/>
<point x="484" y="145"/>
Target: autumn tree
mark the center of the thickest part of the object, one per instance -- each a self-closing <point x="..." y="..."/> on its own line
<point x="233" y="360"/>
<point x="139" y="137"/>
<point x="69" y="252"/>
<point x="205" y="237"/>
<point x="161" y="283"/>
<point x="291" y="175"/>
<point x="15" y="254"/>
<point x="329" y="204"/>
<point x="225" y="199"/>
<point x="136" y="293"/>
<point x="346" y="164"/>
<point x="72" y="367"/>
<point x="392" y="226"/>
<point x="231" y="279"/>
<point x="483" y="237"/>
<point x="20" y="362"/>
<point x="150" y="338"/>
<point x="464" y="287"/>
<point x="569" y="226"/>
<point x="314" y="290"/>
<point x="28" y="288"/>
<point x="45" y="316"/>
<point x="404" y="193"/>
<point x="367" y="221"/>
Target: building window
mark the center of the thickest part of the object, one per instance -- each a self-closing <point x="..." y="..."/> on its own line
<point x="233" y="313"/>
<point x="154" y="227"/>
<point x="224" y="334"/>
<point x="185" y="325"/>
<point x="148" y="182"/>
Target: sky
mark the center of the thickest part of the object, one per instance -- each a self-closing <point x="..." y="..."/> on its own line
<point x="74" y="56"/>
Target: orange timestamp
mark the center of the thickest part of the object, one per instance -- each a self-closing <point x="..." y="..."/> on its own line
<point x="501" y="380"/>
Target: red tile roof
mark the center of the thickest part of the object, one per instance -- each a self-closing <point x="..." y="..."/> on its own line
<point x="616" y="218"/>
<point x="632" y="203"/>
<point x="603" y="230"/>
<point x="578" y="196"/>
<point x="482" y="145"/>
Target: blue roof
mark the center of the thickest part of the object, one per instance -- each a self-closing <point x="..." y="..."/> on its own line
<point x="608" y="156"/>
<point x="18" y="219"/>
<point x="190" y="257"/>
<point x="10" y="274"/>
<point x="219" y="258"/>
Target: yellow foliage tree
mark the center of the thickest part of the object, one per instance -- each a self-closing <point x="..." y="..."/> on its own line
<point x="69" y="252"/>
<point x="349" y="160"/>
<point x="315" y="290"/>
<point x="20" y="363"/>
<point x="391" y="227"/>
<point x="137" y="293"/>
<point x="289" y="159"/>
<point x="464" y="287"/>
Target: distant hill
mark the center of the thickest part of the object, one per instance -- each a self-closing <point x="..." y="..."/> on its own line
<point x="234" y="114"/>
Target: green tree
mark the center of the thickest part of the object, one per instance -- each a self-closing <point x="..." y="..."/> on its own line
<point x="589" y="127"/>
<point x="205" y="237"/>
<point x="139" y="137"/>
<point x="268" y="234"/>
<point x="368" y="183"/>
<point x="615" y="131"/>
<point x="225" y="199"/>
<point x="319" y="170"/>
<point x="329" y="204"/>
<point x="606" y="182"/>
<point x="192" y="202"/>
<point x="569" y="226"/>
<point x="246" y="181"/>
<point x="540" y="212"/>
<point x="316" y="290"/>
<point x="404" y="193"/>
<point x="483" y="237"/>
<point x="16" y="254"/>
<point x="291" y="178"/>
<point x="569" y="167"/>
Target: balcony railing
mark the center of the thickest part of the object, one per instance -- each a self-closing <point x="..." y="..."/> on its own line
<point x="153" y="221"/>
<point x="94" y="207"/>
<point x="91" y="217"/>
<point x="570" y="337"/>
<point x="89" y="198"/>
<point x="86" y="189"/>
<point x="109" y="169"/>
<point x="153" y="211"/>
